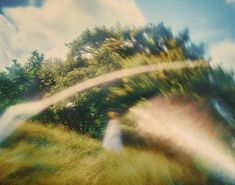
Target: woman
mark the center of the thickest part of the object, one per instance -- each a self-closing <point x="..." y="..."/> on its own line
<point x="112" y="139"/>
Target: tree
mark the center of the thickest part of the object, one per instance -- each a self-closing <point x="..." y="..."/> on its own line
<point x="13" y="85"/>
<point x="191" y="50"/>
<point x="33" y="67"/>
<point x="34" y="63"/>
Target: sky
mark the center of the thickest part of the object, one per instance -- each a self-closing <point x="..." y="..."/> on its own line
<point x="47" y="25"/>
<point x="209" y="21"/>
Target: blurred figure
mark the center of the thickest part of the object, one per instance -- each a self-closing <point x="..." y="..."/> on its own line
<point x="112" y="139"/>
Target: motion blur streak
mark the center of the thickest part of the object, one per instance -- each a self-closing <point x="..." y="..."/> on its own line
<point x="182" y="128"/>
<point x="15" y="115"/>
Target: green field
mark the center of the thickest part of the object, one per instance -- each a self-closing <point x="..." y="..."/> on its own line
<point x="37" y="154"/>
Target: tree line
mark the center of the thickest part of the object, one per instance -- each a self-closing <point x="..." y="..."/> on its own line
<point x="101" y="50"/>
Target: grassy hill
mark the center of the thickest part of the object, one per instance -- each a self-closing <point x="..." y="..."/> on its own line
<point x="43" y="155"/>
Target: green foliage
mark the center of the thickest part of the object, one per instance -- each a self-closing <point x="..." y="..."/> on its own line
<point x="34" y="63"/>
<point x="223" y="84"/>
<point x="33" y="67"/>
<point x="13" y="85"/>
<point x="20" y="82"/>
<point x="102" y="50"/>
<point x="50" y="71"/>
<point x="88" y="115"/>
<point x="192" y="83"/>
<point x="96" y="52"/>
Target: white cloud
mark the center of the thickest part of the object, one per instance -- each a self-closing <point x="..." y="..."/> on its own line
<point x="58" y="22"/>
<point x="223" y="53"/>
<point x="229" y="1"/>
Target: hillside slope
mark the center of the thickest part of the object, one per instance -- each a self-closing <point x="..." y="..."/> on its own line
<point x="38" y="154"/>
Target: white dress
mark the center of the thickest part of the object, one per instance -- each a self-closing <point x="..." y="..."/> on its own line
<point x="112" y="139"/>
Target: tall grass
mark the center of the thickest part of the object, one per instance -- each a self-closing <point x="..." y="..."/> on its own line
<point x="46" y="155"/>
